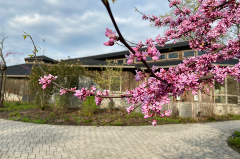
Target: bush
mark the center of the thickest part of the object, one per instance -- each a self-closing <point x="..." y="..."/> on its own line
<point x="68" y="76"/>
<point x="17" y="104"/>
<point x="58" y="107"/>
<point x="89" y="106"/>
<point x="111" y="105"/>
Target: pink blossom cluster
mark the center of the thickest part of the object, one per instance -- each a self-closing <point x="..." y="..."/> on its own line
<point x="151" y="51"/>
<point x="98" y="100"/>
<point x="46" y="80"/>
<point x="139" y="75"/>
<point x="174" y="2"/>
<point x="83" y="93"/>
<point x="63" y="91"/>
<point x="112" y="37"/>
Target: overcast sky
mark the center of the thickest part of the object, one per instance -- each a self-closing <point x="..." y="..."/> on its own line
<point x="74" y="28"/>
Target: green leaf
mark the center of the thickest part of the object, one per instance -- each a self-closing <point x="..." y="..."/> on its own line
<point x="196" y="8"/>
<point x="31" y="55"/>
<point x="24" y="36"/>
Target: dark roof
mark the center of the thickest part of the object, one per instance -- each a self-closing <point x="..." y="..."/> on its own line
<point x="44" y="58"/>
<point x="100" y="59"/>
<point x="176" y="62"/>
<point x="22" y="69"/>
<point x="121" y="54"/>
<point x="91" y="62"/>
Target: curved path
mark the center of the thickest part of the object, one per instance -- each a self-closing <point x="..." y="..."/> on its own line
<point x="174" y="141"/>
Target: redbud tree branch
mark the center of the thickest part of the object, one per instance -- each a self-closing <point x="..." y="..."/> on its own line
<point x="124" y="42"/>
<point x="105" y="2"/>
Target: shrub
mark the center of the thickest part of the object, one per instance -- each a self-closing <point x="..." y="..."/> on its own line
<point x="17" y="104"/>
<point x="111" y="105"/>
<point x="89" y="106"/>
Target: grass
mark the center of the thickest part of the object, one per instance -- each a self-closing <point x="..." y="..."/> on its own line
<point x="16" y="106"/>
<point x="26" y="120"/>
<point x="39" y="121"/>
<point x="87" y="121"/>
<point x="234" y="141"/>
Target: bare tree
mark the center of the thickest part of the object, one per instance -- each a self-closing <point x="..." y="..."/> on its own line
<point x="3" y="64"/>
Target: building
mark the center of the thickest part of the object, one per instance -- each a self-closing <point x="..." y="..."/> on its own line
<point x="225" y="96"/>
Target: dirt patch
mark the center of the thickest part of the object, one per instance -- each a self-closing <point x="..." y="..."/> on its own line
<point x="74" y="116"/>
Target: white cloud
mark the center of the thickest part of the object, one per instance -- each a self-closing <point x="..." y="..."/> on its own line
<point x="74" y="28"/>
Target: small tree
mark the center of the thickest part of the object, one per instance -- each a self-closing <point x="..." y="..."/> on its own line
<point x="109" y="78"/>
<point x="68" y="75"/>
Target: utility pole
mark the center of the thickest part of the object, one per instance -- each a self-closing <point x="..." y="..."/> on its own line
<point x="44" y="45"/>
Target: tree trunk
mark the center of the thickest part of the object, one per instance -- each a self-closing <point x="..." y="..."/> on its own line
<point x="3" y="88"/>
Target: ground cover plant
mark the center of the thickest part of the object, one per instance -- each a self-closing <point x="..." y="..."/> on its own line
<point x="79" y="116"/>
<point x="234" y="141"/>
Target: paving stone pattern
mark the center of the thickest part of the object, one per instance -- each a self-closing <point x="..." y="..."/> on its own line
<point x="174" y="141"/>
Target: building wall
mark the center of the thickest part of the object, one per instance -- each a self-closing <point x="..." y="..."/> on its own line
<point x="220" y="100"/>
<point x="16" y="89"/>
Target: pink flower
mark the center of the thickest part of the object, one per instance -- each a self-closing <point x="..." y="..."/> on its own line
<point x="112" y="37"/>
<point x="145" y="55"/>
<point x="138" y="76"/>
<point x="109" y="43"/>
<point x="154" y="123"/>
<point x="154" y="68"/>
<point x="130" y="58"/>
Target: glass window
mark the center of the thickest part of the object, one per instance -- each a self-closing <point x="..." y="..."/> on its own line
<point x="219" y="88"/>
<point x="173" y="55"/>
<point x="233" y="100"/>
<point x="120" y="62"/>
<point x="30" y="60"/>
<point x="231" y="86"/>
<point x="162" y="57"/>
<point x="149" y="58"/>
<point x="188" y="53"/>
<point x="201" y="52"/>
<point x="111" y="61"/>
<point x="115" y="83"/>
<point x="220" y="99"/>
<point x="126" y="60"/>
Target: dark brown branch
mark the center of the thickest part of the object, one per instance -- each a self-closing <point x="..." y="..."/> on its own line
<point x="105" y="2"/>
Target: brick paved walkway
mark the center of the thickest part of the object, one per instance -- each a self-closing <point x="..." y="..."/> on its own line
<point x="176" y="141"/>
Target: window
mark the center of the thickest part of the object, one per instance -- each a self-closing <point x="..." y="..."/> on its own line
<point x="115" y="83"/>
<point x="149" y="58"/>
<point x="232" y="90"/>
<point x="173" y="56"/>
<point x="188" y="54"/>
<point x="30" y="60"/>
<point x="227" y="92"/>
<point x="219" y="92"/>
<point x="112" y="61"/>
<point x="120" y="62"/>
<point x="162" y="57"/>
<point x="202" y="52"/>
